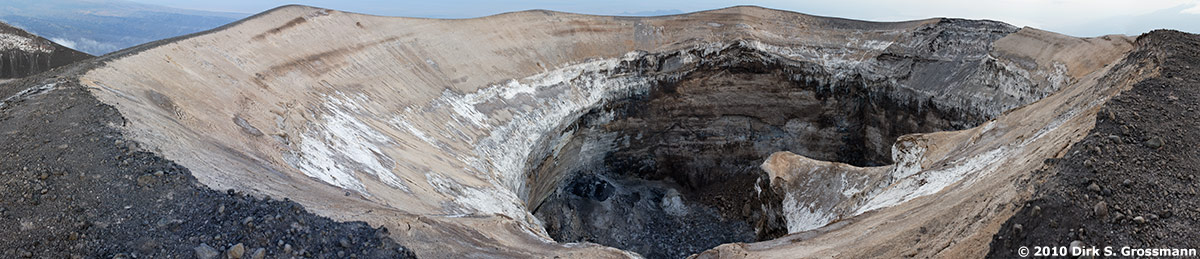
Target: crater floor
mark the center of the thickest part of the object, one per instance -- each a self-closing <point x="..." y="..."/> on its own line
<point x="680" y="162"/>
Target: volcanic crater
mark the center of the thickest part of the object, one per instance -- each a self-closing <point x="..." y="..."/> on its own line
<point x="738" y="132"/>
<point x="675" y="169"/>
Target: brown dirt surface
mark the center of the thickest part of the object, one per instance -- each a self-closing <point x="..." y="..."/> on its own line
<point x="72" y="187"/>
<point x="1140" y="160"/>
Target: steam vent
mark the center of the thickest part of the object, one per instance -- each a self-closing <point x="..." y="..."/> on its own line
<point x="734" y="133"/>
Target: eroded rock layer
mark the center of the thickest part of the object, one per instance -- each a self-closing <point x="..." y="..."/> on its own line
<point x="702" y="137"/>
<point x="23" y="54"/>
<point x="1132" y="181"/>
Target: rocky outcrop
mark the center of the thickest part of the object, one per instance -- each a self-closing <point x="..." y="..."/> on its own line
<point x="23" y="54"/>
<point x="713" y="117"/>
<point x="1131" y="181"/>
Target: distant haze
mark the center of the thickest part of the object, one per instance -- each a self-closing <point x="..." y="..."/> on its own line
<point x="1073" y="17"/>
<point x="101" y="26"/>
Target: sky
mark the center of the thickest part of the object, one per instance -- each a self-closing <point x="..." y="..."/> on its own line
<point x="1072" y="17"/>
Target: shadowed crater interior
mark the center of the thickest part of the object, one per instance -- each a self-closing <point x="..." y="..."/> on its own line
<point x="675" y="170"/>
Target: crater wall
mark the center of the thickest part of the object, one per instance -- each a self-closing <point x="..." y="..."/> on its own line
<point x="442" y="130"/>
<point x="23" y="54"/>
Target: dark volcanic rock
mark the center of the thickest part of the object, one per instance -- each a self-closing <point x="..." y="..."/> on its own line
<point x="682" y="166"/>
<point x="71" y="185"/>
<point x="1148" y="180"/>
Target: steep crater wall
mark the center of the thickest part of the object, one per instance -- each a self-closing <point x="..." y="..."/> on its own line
<point x="673" y="167"/>
<point x="23" y="54"/>
<point x="458" y="133"/>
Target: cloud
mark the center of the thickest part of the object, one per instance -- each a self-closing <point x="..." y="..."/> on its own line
<point x="86" y="45"/>
<point x="65" y="42"/>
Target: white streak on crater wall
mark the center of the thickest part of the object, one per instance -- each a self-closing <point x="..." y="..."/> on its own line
<point x="336" y="150"/>
<point x="414" y="131"/>
<point x="506" y="142"/>
<point x="507" y="146"/>
<point x="471" y="200"/>
<point x="932" y="181"/>
<point x="803" y="217"/>
<point x="25" y="44"/>
<point x="27" y="93"/>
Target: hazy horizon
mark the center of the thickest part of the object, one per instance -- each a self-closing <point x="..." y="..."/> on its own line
<point x="102" y="26"/>
<point x="1072" y="17"/>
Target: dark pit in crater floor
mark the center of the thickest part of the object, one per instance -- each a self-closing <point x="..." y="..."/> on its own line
<point x="674" y="170"/>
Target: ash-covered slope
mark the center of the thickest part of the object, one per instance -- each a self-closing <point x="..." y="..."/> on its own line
<point x="23" y="54"/>
<point x="75" y="188"/>
<point x="1132" y="182"/>
<point x="807" y="136"/>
